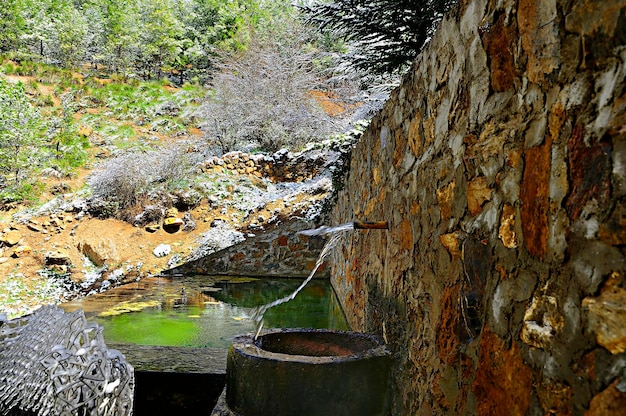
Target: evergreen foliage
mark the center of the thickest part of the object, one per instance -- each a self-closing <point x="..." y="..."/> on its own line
<point x="20" y="139"/>
<point x="385" y="35"/>
<point x="143" y="38"/>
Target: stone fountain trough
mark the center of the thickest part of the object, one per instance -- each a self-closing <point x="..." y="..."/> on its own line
<point x="308" y="372"/>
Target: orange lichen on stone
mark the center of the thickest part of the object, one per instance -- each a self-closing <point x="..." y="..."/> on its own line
<point x="398" y="149"/>
<point x="445" y="197"/>
<point x="503" y="382"/>
<point x="238" y="256"/>
<point x="534" y="191"/>
<point x="590" y="17"/>
<point x="606" y="314"/>
<point x="542" y="322"/>
<point x="507" y="227"/>
<point x="330" y="102"/>
<point x="613" y="230"/>
<point x="538" y="29"/>
<point x="405" y="235"/>
<point x="451" y="243"/>
<point x="497" y="40"/>
<point x="608" y="402"/>
<point x="513" y="157"/>
<point x="447" y="341"/>
<point x="589" y="170"/>
<point x="478" y="192"/>
<point x="415" y="134"/>
<point x="555" y="398"/>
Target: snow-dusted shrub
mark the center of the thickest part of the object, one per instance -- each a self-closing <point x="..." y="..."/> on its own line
<point x="134" y="177"/>
<point x="264" y="97"/>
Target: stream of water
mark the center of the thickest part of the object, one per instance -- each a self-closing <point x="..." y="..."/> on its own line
<point x="336" y="233"/>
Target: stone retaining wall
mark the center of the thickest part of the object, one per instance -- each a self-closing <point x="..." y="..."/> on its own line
<point x="282" y="166"/>
<point x="279" y="252"/>
<point x="499" y="165"/>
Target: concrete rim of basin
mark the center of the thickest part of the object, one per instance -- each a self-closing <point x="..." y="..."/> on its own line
<point x="308" y="372"/>
<point x="314" y="346"/>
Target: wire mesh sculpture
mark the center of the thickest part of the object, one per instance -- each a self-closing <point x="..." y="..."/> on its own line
<point x="56" y="363"/>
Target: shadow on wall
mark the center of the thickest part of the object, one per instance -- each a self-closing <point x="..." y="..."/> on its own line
<point x="497" y="163"/>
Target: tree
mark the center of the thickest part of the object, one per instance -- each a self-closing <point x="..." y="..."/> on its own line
<point x="210" y="26"/>
<point x="263" y="98"/>
<point x="11" y="25"/>
<point x="121" y="31"/>
<point x="69" y="37"/>
<point x="385" y="35"/>
<point x="20" y="138"/>
<point x="160" y="37"/>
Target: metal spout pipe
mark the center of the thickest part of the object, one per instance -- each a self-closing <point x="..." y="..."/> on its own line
<point x="370" y="225"/>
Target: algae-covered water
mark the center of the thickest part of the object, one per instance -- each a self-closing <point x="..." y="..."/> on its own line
<point x="201" y="311"/>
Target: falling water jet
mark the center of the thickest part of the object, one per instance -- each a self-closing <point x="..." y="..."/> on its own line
<point x="337" y="233"/>
<point x="355" y="225"/>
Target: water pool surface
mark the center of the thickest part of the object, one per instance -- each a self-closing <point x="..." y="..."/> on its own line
<point x="201" y="311"/>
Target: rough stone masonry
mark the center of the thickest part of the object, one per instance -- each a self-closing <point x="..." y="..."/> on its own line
<point x="500" y="165"/>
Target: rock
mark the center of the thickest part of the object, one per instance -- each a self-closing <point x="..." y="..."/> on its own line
<point x="217" y="222"/>
<point x="610" y="401"/>
<point x="59" y="188"/>
<point x="58" y="258"/>
<point x="3" y="259"/>
<point x="606" y="317"/>
<point x="542" y="322"/>
<point x="99" y="251"/>
<point x="152" y="228"/>
<point x="162" y="250"/>
<point x="150" y="214"/>
<point x="22" y="251"/>
<point x="60" y="268"/>
<point x="33" y="227"/>
<point x="85" y="131"/>
<point x="171" y="225"/>
<point x="186" y="200"/>
<point x="190" y="223"/>
<point x="171" y="213"/>
<point x="11" y="237"/>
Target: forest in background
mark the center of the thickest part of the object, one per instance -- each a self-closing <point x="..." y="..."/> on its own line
<point x="147" y="39"/>
<point x="141" y="82"/>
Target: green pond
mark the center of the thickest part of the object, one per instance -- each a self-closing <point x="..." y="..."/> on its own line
<point x="201" y="311"/>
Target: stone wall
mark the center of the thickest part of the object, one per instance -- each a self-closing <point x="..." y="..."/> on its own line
<point x="279" y="252"/>
<point x="499" y="164"/>
<point x="282" y="166"/>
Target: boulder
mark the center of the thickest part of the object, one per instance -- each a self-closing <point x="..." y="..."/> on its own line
<point x="11" y="237"/>
<point x="162" y="250"/>
<point x="22" y="251"/>
<point x="171" y="213"/>
<point x="152" y="228"/>
<point x="99" y="251"/>
<point x="58" y="258"/>
<point x="171" y="225"/>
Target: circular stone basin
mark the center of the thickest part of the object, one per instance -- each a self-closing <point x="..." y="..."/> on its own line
<point x="308" y="372"/>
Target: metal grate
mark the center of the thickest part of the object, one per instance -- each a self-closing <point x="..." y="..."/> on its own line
<point x="56" y="363"/>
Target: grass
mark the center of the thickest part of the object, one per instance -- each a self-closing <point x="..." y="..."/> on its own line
<point x="122" y="113"/>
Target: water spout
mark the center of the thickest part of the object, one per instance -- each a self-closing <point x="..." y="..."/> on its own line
<point x="370" y="225"/>
<point x="355" y="225"/>
<point x="336" y="234"/>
